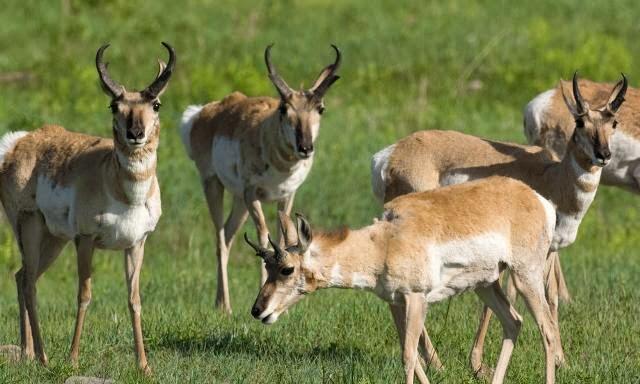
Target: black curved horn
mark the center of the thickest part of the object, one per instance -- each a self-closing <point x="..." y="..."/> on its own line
<point x="153" y="90"/>
<point x="327" y="76"/>
<point x="580" y="105"/>
<point x="615" y="104"/>
<point x="281" y="86"/>
<point x="108" y="85"/>
<point x="259" y="250"/>
<point x="279" y="251"/>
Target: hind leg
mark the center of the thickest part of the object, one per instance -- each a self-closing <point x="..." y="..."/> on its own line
<point x="39" y="249"/>
<point x="429" y="353"/>
<point x="511" y="323"/>
<point x="531" y="288"/>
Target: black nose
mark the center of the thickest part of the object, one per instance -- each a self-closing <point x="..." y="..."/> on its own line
<point x="305" y="150"/>
<point x="135" y="134"/>
<point x="255" y="311"/>
<point x="603" y="154"/>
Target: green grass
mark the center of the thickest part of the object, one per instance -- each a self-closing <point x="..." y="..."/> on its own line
<point x="407" y="66"/>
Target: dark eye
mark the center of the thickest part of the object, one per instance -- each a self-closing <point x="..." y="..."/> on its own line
<point x="286" y="271"/>
<point x="615" y="123"/>
<point x="283" y="109"/>
<point x="156" y="105"/>
<point x="321" y="110"/>
<point x="114" y="108"/>
<point x="579" y="123"/>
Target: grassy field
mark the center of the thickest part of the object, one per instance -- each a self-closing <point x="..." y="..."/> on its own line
<point x="407" y="66"/>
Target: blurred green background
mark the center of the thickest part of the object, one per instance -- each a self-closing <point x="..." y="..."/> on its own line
<point x="407" y="66"/>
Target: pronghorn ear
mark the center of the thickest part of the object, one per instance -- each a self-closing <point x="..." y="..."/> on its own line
<point x="288" y="228"/>
<point x="305" y="235"/>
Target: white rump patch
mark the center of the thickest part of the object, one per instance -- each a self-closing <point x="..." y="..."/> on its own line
<point x="8" y="142"/>
<point x="186" y="124"/>
<point x="379" y="165"/>
<point x="534" y="113"/>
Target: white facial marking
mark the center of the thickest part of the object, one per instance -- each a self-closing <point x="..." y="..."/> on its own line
<point x="534" y="114"/>
<point x="463" y="264"/>
<point x="8" y="142"/>
<point x="315" y="130"/>
<point x="186" y="124"/>
<point x="379" y="165"/>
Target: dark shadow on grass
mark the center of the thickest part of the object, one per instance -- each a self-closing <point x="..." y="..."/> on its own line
<point x="276" y="348"/>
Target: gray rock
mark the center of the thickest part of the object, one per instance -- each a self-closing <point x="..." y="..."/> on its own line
<point x="87" y="380"/>
<point x="11" y="353"/>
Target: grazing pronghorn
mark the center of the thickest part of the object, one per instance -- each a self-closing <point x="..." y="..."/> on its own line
<point x="58" y="186"/>
<point x="427" y="247"/>
<point x="258" y="148"/>
<point x="429" y="159"/>
<point x="547" y="123"/>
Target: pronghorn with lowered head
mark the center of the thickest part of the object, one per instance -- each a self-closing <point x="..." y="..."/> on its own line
<point x="427" y="247"/>
<point x="58" y="186"/>
<point x="430" y="159"/>
<point x="258" y="148"/>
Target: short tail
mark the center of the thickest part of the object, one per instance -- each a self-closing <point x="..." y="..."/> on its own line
<point x="186" y="124"/>
<point x="8" y="142"/>
<point x="379" y="165"/>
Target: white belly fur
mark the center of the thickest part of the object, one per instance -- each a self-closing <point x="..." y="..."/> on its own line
<point x="118" y="226"/>
<point x="460" y="265"/>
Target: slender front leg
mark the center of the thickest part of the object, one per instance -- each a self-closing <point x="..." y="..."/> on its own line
<point x="285" y="205"/>
<point x="409" y="319"/>
<point x="563" y="290"/>
<point x="511" y="323"/>
<point x="479" y="369"/>
<point x="255" y="211"/>
<point x="84" y="250"/>
<point x="430" y="354"/>
<point x="552" y="295"/>
<point x="133" y="264"/>
<point x="214" y="192"/>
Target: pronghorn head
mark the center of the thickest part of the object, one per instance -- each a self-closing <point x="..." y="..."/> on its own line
<point x="288" y="275"/>
<point x="135" y="114"/>
<point x="595" y="126"/>
<point x="300" y="111"/>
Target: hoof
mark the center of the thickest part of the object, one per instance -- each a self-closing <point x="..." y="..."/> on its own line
<point x="484" y="373"/>
<point x="146" y="370"/>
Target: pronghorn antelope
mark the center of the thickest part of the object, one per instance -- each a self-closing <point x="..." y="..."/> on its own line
<point x="548" y="124"/>
<point x="258" y="148"/>
<point x="429" y="159"/>
<point x="427" y="247"/>
<point x="58" y="186"/>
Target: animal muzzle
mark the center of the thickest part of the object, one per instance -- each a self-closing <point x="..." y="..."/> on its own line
<point x="305" y="150"/>
<point x="603" y="155"/>
<point x="135" y="135"/>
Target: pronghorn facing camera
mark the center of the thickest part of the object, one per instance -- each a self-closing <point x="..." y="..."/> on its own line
<point x="427" y="247"/>
<point x="58" y="186"/>
<point x="260" y="149"/>
<point x="549" y="124"/>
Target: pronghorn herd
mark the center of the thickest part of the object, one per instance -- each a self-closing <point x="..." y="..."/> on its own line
<point x="459" y="210"/>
